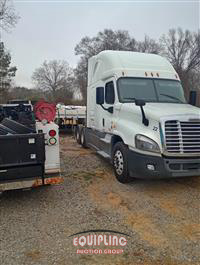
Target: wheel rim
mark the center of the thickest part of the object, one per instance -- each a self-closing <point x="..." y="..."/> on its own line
<point x="82" y="137"/>
<point x="118" y="162"/>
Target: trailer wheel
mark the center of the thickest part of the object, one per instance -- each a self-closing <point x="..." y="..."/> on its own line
<point x="82" y="137"/>
<point x="120" y="162"/>
<point x="77" y="134"/>
<point x="74" y="131"/>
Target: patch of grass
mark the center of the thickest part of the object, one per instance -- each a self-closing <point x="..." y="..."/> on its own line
<point x="34" y="255"/>
<point x="125" y="255"/>
<point x="87" y="176"/>
<point x="86" y="257"/>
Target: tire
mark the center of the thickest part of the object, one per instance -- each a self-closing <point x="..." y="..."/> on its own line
<point x="74" y="132"/>
<point x="120" y="162"/>
<point x="77" y="134"/>
<point x="82" y="137"/>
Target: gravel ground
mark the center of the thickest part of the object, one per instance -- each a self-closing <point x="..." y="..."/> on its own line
<point x="162" y="217"/>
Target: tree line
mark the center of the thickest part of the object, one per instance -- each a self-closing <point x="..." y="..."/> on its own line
<point x="56" y="81"/>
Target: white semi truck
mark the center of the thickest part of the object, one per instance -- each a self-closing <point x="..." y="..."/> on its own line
<point x="138" y="117"/>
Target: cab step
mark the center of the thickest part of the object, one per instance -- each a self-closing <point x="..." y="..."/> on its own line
<point x="106" y="139"/>
<point x="104" y="154"/>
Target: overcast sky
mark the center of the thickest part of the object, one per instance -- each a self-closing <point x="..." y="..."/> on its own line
<point x="51" y="29"/>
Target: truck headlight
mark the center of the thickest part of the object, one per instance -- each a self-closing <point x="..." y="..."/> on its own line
<point x="146" y="144"/>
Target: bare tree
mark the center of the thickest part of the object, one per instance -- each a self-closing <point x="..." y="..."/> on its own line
<point x="182" y="48"/>
<point x="8" y="16"/>
<point x="149" y="45"/>
<point x="55" y="76"/>
<point x="194" y="80"/>
<point x="104" y="40"/>
<point x="81" y="77"/>
<point x="108" y="40"/>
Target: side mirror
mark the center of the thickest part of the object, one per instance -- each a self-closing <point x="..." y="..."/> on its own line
<point x="100" y="95"/>
<point x="140" y="102"/>
<point x="192" y="98"/>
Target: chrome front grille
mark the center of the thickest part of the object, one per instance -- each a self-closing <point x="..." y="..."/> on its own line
<point x="182" y="137"/>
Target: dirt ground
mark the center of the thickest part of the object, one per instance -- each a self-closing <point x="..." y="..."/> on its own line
<point x="161" y="217"/>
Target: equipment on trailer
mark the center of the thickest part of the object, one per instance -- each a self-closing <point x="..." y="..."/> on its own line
<point x="29" y="157"/>
<point x="45" y="111"/>
<point x="22" y="113"/>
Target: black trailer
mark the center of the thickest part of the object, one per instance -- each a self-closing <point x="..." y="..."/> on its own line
<point x="21" y="156"/>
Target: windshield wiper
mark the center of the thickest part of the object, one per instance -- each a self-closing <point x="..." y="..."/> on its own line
<point x="172" y="97"/>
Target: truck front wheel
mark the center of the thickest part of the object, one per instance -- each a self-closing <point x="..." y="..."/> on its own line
<point x="120" y="162"/>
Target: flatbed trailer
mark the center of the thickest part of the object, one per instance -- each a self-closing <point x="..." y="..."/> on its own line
<point x="68" y="117"/>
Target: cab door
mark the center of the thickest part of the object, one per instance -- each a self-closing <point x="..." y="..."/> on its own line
<point x="109" y="104"/>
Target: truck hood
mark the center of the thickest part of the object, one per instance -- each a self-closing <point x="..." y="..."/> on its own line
<point x="158" y="110"/>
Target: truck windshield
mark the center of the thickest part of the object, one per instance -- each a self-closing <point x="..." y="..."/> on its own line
<point x="150" y="90"/>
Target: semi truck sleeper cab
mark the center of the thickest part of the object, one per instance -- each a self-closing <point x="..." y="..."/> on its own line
<point x="137" y="117"/>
